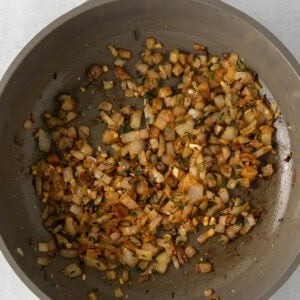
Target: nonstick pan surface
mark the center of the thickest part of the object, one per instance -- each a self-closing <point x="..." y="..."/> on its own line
<point x="54" y="62"/>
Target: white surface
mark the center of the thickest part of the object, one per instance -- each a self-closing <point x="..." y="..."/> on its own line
<point x="22" y="20"/>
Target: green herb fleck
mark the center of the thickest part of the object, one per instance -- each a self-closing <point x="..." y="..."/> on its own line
<point x="221" y="116"/>
<point x="148" y="120"/>
<point x="251" y="85"/>
<point x="92" y="239"/>
<point x="222" y="184"/>
<point x="180" y="243"/>
<point x="133" y="213"/>
<point x="138" y="172"/>
<point x="180" y="205"/>
<point x="92" y="205"/>
<point x="136" y="183"/>
<point x="239" y="65"/>
<point x="232" y="122"/>
<point x="64" y="163"/>
<point x="153" y="199"/>
<point x="140" y="79"/>
<point x="205" y="115"/>
<point x="124" y="128"/>
<point x="149" y="95"/>
<point x="211" y="75"/>
<point x="183" y="162"/>
<point x="238" y="167"/>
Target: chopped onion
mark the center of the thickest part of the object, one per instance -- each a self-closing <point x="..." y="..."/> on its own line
<point x="42" y="261"/>
<point x="44" y="141"/>
<point x="129" y="257"/>
<point x="169" y="165"/>
<point x="72" y="271"/>
<point x="43" y="247"/>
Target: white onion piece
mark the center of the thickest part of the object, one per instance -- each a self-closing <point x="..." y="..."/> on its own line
<point x="44" y="141"/>
<point x="129" y="258"/>
<point x="72" y="271"/>
<point x="184" y="128"/>
<point x="195" y="193"/>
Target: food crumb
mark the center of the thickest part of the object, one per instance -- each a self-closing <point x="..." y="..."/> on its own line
<point x="27" y="124"/>
<point x="204" y="267"/>
<point x="118" y="292"/>
<point x="20" y="251"/>
<point x="92" y="296"/>
<point x="207" y="292"/>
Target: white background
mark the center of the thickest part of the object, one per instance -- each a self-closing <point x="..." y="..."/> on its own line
<point x="21" y="20"/>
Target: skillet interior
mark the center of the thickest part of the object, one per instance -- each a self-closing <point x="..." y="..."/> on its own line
<point x="247" y="267"/>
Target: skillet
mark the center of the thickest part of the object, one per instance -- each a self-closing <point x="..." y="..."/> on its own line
<point x="248" y="268"/>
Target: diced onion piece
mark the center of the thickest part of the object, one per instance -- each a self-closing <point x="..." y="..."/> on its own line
<point x="224" y="195"/>
<point x="190" y="251"/>
<point x="133" y="148"/>
<point x="135" y="135"/>
<point x="185" y="128"/>
<point x="135" y="120"/>
<point x="72" y="271"/>
<point x="44" y="141"/>
<point x="207" y="292"/>
<point x="68" y="104"/>
<point x="155" y="223"/>
<point x="43" y="247"/>
<point x="94" y="263"/>
<point x="250" y="128"/>
<point x="108" y="84"/>
<point x="42" y="261"/>
<point x="121" y="73"/>
<point x="68" y="253"/>
<point x="142" y="67"/>
<point x="92" y="296"/>
<point x="156" y="176"/>
<point x="267" y="170"/>
<point x="106" y="106"/>
<point x="113" y="50"/>
<point x="71" y="115"/>
<point x="130" y="230"/>
<point x="163" y="261"/>
<point x="262" y="151"/>
<point x="144" y="254"/>
<point x="203" y="237"/>
<point x="204" y="267"/>
<point x="195" y="193"/>
<point x="230" y="133"/>
<point x="125" y="53"/>
<point x="127" y="201"/>
<point x="119" y="62"/>
<point x="174" y="56"/>
<point x="111" y="275"/>
<point x="164" y="92"/>
<point x="118" y="292"/>
<point x="129" y="258"/>
<point x="163" y="119"/>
